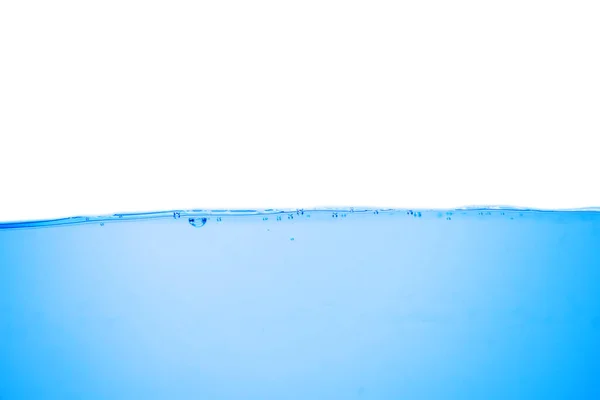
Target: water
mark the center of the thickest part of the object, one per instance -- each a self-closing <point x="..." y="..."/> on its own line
<point x="491" y="303"/>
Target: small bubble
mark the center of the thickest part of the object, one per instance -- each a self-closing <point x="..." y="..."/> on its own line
<point x="290" y="216"/>
<point x="292" y="239"/>
<point x="101" y="223"/>
<point x="219" y="219"/>
<point x="176" y="215"/>
<point x="344" y="215"/>
<point x="265" y="218"/>
<point x="419" y="214"/>
<point x="279" y="218"/>
<point x="448" y="218"/>
<point x="197" y="222"/>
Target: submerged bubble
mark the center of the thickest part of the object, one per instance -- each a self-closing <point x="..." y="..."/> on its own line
<point x="101" y="223"/>
<point x="292" y="238"/>
<point x="197" y="222"/>
<point x="176" y="215"/>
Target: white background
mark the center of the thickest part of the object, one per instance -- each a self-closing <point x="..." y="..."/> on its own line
<point x="119" y="106"/>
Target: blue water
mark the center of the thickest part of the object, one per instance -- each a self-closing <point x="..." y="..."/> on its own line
<point x="313" y="304"/>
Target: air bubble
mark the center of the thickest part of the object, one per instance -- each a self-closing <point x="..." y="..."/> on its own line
<point x="219" y="219"/>
<point x="176" y="215"/>
<point x="279" y="218"/>
<point x="197" y="222"/>
<point x="290" y="216"/>
<point x="291" y="239"/>
<point x="101" y="223"/>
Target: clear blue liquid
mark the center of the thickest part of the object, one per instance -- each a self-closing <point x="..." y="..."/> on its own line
<point x="331" y="304"/>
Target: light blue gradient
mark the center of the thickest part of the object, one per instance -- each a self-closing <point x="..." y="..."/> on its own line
<point x="468" y="304"/>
